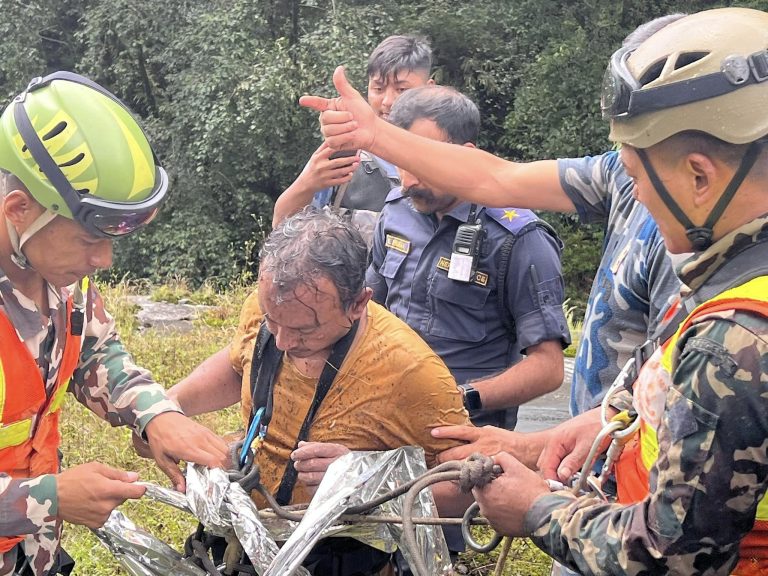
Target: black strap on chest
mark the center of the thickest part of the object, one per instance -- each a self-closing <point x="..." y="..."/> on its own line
<point x="505" y="254"/>
<point x="264" y="367"/>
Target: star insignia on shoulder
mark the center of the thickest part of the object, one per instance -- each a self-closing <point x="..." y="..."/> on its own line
<point x="510" y="215"/>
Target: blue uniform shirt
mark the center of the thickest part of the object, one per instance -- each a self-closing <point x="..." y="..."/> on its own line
<point x="460" y="320"/>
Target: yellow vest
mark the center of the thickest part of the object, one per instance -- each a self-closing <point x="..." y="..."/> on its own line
<point x="632" y="470"/>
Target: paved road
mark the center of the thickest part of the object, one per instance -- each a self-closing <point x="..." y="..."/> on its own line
<point x="549" y="409"/>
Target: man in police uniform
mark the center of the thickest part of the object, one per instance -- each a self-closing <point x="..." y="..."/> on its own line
<point x="482" y="286"/>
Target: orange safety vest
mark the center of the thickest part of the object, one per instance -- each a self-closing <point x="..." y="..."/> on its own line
<point x="640" y="454"/>
<point x="29" y="420"/>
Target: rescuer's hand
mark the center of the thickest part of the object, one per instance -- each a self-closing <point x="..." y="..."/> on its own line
<point x="88" y="493"/>
<point x="506" y="500"/>
<point x="490" y="440"/>
<point x="347" y="122"/>
<point x="174" y="437"/>
<point x="568" y="446"/>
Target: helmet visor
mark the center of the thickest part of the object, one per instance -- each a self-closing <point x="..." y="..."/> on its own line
<point x="618" y="85"/>
<point x="112" y="219"/>
<point x="623" y="96"/>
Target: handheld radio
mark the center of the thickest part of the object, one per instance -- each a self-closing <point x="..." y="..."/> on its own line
<point x="466" y="248"/>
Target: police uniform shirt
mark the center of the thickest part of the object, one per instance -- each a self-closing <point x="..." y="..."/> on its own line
<point x="460" y="320"/>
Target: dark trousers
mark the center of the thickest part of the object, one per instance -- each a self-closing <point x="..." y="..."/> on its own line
<point x="330" y="557"/>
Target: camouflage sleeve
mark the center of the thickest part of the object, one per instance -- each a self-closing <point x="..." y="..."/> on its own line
<point x="27" y="505"/>
<point x="663" y="285"/>
<point x="712" y="465"/>
<point x="589" y="183"/>
<point x="108" y="382"/>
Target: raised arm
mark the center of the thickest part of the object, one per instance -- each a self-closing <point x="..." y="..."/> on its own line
<point x="469" y="173"/>
<point x="321" y="172"/>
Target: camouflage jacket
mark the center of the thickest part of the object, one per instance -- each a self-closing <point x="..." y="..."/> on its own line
<point x="633" y="284"/>
<point x="712" y="468"/>
<point x="106" y="381"/>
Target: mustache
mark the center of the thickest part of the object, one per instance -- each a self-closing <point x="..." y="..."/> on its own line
<point x="418" y="193"/>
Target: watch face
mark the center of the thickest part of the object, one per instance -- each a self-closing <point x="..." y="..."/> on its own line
<point x="472" y="399"/>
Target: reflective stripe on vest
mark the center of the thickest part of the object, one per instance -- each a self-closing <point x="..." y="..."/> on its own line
<point x="632" y="470"/>
<point x="29" y="420"/>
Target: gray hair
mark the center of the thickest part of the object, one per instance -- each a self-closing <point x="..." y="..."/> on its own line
<point x="396" y="54"/>
<point x="315" y="244"/>
<point x="452" y="111"/>
<point x="645" y="31"/>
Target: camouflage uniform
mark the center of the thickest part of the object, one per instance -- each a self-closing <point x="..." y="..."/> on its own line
<point x="106" y="381"/>
<point x="712" y="468"/>
<point x="634" y="281"/>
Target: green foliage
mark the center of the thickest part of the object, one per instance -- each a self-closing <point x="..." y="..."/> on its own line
<point x="573" y="315"/>
<point x="216" y="84"/>
<point x="522" y="558"/>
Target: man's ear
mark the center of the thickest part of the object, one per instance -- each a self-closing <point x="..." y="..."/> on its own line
<point x="20" y="208"/>
<point x="358" y="307"/>
<point x="706" y="177"/>
<point x="430" y="81"/>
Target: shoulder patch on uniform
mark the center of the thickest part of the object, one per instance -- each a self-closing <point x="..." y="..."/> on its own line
<point x="397" y="243"/>
<point x="513" y="219"/>
<point x="395" y="194"/>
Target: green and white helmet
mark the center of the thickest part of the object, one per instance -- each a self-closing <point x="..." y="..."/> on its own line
<point x="81" y="155"/>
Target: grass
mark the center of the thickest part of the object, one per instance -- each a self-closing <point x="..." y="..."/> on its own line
<point x="574" y="325"/>
<point x="171" y="356"/>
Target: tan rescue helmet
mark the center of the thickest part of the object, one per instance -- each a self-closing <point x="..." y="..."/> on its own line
<point x="706" y="72"/>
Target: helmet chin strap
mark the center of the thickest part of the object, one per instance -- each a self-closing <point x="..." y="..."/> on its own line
<point x="701" y="236"/>
<point x="17" y="242"/>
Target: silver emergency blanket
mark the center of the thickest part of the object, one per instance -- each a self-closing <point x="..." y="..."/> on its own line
<point x="222" y="506"/>
<point x="356" y="478"/>
<point x="140" y="553"/>
<point x="226" y="510"/>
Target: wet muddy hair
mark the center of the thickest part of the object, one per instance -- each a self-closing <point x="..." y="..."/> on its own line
<point x="397" y="54"/>
<point x="315" y="244"/>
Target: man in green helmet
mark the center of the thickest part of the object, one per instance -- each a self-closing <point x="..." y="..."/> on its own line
<point x="688" y="106"/>
<point x="76" y="172"/>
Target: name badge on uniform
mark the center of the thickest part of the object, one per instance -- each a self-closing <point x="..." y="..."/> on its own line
<point x="461" y="267"/>
<point x="397" y="243"/>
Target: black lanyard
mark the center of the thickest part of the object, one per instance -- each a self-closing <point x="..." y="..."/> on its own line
<point x="264" y="367"/>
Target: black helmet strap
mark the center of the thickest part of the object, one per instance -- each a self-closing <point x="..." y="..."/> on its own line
<point x="701" y="236"/>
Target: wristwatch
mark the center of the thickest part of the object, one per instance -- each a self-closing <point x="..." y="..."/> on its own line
<point x="472" y="400"/>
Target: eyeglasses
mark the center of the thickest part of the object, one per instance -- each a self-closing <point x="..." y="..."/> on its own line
<point x="623" y="96"/>
<point x="98" y="216"/>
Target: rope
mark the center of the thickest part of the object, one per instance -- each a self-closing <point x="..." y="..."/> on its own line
<point x="475" y="471"/>
<point x="503" y="557"/>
